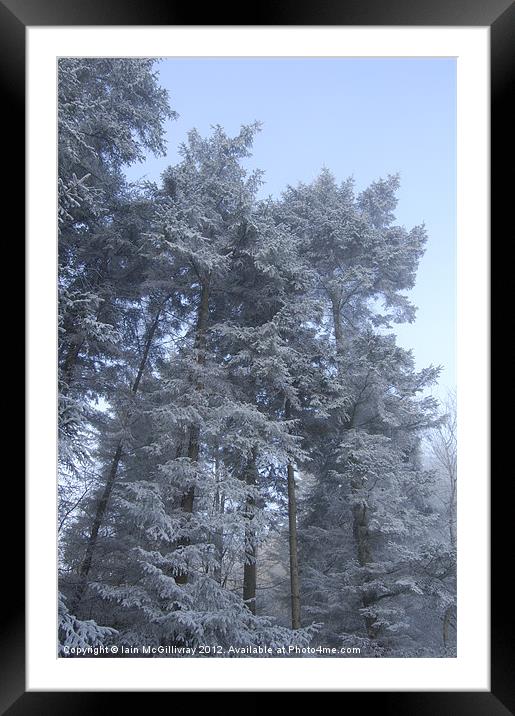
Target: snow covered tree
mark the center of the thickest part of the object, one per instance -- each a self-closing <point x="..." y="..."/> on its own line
<point x="368" y="457"/>
<point x="368" y="506"/>
<point x="111" y="111"/>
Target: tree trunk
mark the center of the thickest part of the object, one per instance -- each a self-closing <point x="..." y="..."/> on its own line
<point x="218" y="536"/>
<point x="249" y="565"/>
<point x="97" y="523"/>
<point x="452" y="514"/>
<point x="361" y="533"/>
<point x="294" y="562"/>
<point x="337" y="323"/>
<point x="360" y="526"/>
<point x="360" y="513"/>
<point x="292" y="539"/>
<point x="194" y="439"/>
<point x="103" y="502"/>
<point x="189" y="497"/>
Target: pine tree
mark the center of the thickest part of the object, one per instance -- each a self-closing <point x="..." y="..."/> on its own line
<point x="110" y="112"/>
<point x="369" y="457"/>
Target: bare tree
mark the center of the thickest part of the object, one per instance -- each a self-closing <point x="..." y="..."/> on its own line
<point x="443" y="444"/>
<point x="444" y="448"/>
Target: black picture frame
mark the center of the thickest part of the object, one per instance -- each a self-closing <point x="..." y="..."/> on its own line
<point x="499" y="15"/>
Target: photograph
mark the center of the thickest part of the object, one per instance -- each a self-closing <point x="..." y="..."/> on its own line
<point x="258" y="314"/>
<point x="257" y="327"/>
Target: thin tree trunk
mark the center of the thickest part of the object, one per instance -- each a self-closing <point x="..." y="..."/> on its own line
<point x="103" y="502"/>
<point x="361" y="533"/>
<point x="218" y="536"/>
<point x="95" y="527"/>
<point x="453" y="539"/>
<point x="337" y="323"/>
<point x="194" y="439"/>
<point x="250" y="561"/>
<point x="360" y="525"/>
<point x="360" y="512"/>
<point x="294" y="561"/>
<point x="292" y="539"/>
<point x="452" y="514"/>
<point x="188" y="498"/>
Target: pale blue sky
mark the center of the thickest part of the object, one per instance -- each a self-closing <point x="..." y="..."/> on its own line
<point x="362" y="117"/>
